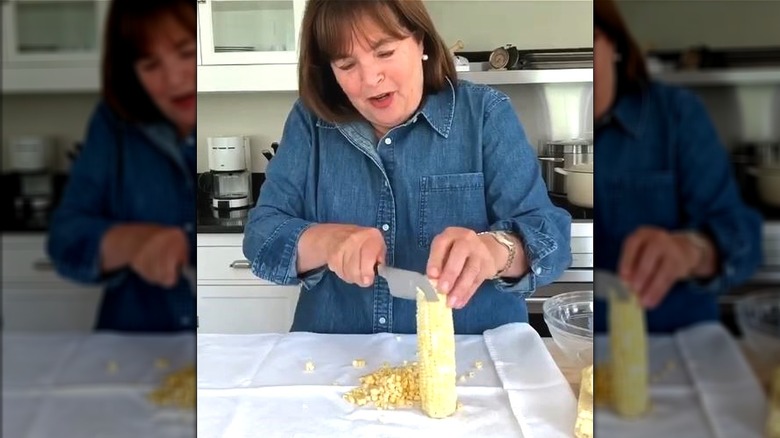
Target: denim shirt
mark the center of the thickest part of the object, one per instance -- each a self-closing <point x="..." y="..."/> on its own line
<point x="660" y="163"/>
<point x="462" y="160"/>
<point x="127" y="174"/>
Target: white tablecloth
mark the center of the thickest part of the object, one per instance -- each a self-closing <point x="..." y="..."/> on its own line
<point x="256" y="385"/>
<point x="77" y="386"/>
<point x="701" y="387"/>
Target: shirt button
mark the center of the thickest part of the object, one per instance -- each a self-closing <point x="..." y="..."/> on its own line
<point x="414" y="119"/>
<point x="385" y="227"/>
<point x="388" y="141"/>
<point x="382" y="320"/>
<point x="537" y="270"/>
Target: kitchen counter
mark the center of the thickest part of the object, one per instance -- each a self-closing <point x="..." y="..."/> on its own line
<point x="75" y="385"/>
<point x="260" y="385"/>
<point x="572" y="372"/>
<point x="701" y="384"/>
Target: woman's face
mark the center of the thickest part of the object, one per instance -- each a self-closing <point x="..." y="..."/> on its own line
<point x="167" y="73"/>
<point x="604" y="74"/>
<point x="382" y="76"/>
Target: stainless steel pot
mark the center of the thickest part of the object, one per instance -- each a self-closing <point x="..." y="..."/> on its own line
<point x="563" y="154"/>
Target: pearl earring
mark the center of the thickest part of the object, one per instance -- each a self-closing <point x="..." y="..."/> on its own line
<point x="424" y="57"/>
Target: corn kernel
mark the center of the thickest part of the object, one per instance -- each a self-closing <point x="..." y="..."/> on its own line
<point x="309" y="366"/>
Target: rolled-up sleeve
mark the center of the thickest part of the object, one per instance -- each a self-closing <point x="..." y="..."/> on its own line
<point x="711" y="199"/>
<point x="277" y="222"/>
<point x="81" y="219"/>
<point x="518" y="201"/>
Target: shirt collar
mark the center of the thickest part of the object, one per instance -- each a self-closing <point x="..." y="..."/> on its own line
<point x="629" y="113"/>
<point x="439" y="109"/>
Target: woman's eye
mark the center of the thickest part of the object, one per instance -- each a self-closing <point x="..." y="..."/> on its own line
<point x="386" y="54"/>
<point x="345" y="67"/>
<point x="147" y="65"/>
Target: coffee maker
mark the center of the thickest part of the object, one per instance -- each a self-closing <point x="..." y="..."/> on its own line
<point x="30" y="159"/>
<point x="231" y="186"/>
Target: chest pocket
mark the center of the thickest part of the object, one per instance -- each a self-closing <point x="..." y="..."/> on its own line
<point x="455" y="200"/>
<point x="642" y="198"/>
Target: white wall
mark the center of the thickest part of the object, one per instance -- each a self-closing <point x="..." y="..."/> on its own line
<point x="674" y="24"/>
<point x="528" y="24"/>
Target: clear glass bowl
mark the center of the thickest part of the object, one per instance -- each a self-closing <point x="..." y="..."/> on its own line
<point x="569" y="316"/>
<point x="758" y="317"/>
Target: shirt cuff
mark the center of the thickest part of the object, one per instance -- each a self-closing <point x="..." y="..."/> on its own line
<point x="277" y="258"/>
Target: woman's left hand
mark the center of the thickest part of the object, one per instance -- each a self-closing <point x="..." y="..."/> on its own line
<point x="653" y="260"/>
<point x="460" y="261"/>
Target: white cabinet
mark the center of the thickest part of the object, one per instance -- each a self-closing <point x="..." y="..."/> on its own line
<point x="248" y="45"/>
<point x="35" y="298"/>
<point x="230" y="298"/>
<point x="249" y="31"/>
<point x="52" y="45"/>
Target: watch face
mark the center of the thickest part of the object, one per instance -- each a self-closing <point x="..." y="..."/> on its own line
<point x="503" y="236"/>
<point x="499" y="58"/>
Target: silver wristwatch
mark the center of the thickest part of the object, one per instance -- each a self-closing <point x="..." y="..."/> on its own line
<point x="503" y="237"/>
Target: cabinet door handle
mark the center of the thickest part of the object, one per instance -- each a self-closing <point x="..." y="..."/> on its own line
<point x="43" y="265"/>
<point x="241" y="264"/>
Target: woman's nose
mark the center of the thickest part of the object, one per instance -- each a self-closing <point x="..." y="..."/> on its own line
<point x="373" y="76"/>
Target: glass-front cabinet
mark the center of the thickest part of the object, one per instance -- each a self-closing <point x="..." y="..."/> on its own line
<point x="249" y="31"/>
<point x="53" y="30"/>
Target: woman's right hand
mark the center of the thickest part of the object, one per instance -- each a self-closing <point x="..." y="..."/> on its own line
<point x="162" y="256"/>
<point x="353" y="252"/>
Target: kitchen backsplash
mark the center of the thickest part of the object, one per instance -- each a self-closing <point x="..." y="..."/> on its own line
<point x="556" y="111"/>
<point x="63" y="117"/>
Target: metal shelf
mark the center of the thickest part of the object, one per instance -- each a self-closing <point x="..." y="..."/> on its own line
<point x="520" y="77"/>
<point x="746" y="76"/>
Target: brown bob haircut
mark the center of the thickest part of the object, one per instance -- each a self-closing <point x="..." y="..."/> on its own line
<point x="631" y="70"/>
<point x="326" y="35"/>
<point x="128" y="33"/>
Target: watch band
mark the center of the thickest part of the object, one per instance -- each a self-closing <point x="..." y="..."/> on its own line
<point x="700" y="242"/>
<point x="502" y="237"/>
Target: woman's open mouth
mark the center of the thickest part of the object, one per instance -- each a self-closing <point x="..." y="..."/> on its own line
<point x="382" y="100"/>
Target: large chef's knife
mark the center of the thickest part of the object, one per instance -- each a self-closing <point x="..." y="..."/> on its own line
<point x="607" y="285"/>
<point x="404" y="284"/>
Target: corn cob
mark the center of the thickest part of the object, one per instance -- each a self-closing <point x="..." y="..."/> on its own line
<point x="773" y="422"/>
<point x="436" y="356"/>
<point x="583" y="427"/>
<point x="628" y="356"/>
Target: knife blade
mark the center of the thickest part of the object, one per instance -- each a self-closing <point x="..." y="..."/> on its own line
<point x="404" y="284"/>
<point x="607" y="285"/>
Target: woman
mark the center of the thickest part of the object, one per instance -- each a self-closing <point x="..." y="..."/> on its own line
<point x="387" y="158"/>
<point x="127" y="213"/>
<point x="668" y="215"/>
